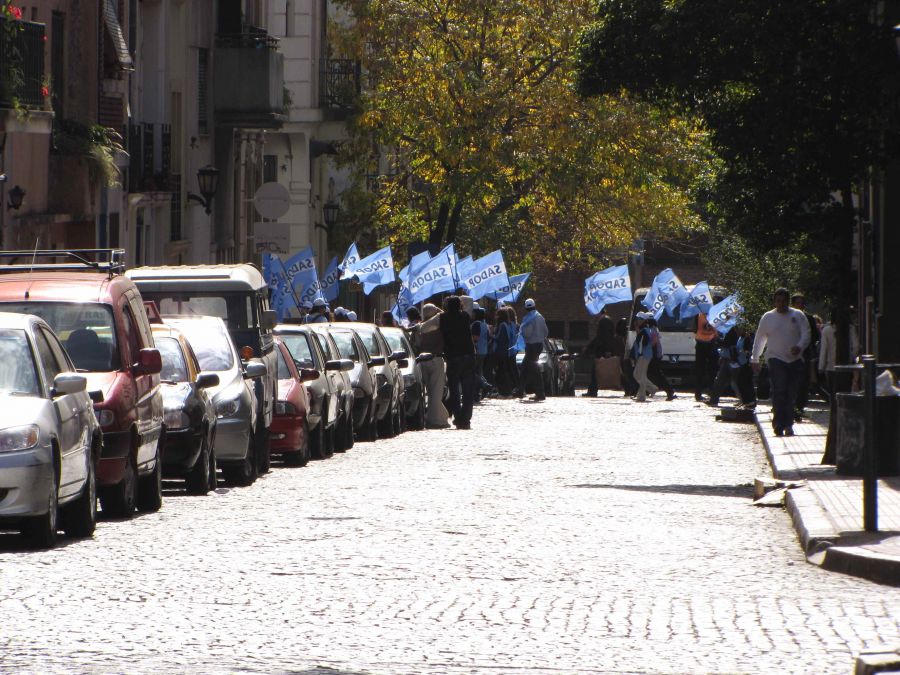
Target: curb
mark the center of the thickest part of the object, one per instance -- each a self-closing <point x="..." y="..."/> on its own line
<point x="860" y="562"/>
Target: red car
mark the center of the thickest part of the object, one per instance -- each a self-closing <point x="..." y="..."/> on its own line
<point x="289" y="431"/>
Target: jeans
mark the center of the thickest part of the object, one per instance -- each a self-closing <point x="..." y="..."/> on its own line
<point x="785" y="378"/>
<point x="533" y="377"/>
<point x="461" y="381"/>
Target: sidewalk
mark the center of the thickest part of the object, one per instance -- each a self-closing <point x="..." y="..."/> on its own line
<point x="828" y="510"/>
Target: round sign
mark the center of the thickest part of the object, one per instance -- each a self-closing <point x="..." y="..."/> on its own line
<point x="272" y="200"/>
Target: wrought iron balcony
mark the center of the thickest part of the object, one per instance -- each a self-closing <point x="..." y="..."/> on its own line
<point x="150" y="152"/>
<point x="21" y="63"/>
<point x="249" y="80"/>
<point x="339" y="83"/>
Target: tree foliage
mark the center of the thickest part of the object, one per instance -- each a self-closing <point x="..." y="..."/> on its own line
<point x="800" y="97"/>
<point x="489" y="146"/>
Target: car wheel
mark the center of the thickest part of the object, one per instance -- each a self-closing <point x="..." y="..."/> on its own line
<point x="386" y="425"/>
<point x="40" y="531"/>
<point x="118" y="501"/>
<point x="79" y="519"/>
<point x="244" y="473"/>
<point x="348" y="432"/>
<point x="330" y="437"/>
<point x="149" y="497"/>
<point x="197" y="481"/>
<point x="301" y="457"/>
<point x="263" y="450"/>
<point x="369" y="431"/>
<point x="213" y="465"/>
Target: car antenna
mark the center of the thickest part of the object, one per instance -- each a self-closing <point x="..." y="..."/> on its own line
<point x="37" y="239"/>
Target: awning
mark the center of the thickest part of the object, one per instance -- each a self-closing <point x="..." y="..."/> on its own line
<point x="116" y="35"/>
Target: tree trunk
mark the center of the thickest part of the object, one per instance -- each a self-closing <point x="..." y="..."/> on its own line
<point x="454" y="223"/>
<point x="437" y="232"/>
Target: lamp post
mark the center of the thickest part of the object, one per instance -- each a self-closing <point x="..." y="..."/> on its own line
<point x="331" y="211"/>
<point x="208" y="180"/>
<point x="16" y="197"/>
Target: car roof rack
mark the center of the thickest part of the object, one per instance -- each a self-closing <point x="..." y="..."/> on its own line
<point x="109" y="260"/>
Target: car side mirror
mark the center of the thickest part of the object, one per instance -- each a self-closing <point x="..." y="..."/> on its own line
<point x="397" y="355"/>
<point x="255" y="370"/>
<point x="377" y="361"/>
<point x="402" y="363"/>
<point x="424" y="356"/>
<point x="207" y="380"/>
<point x="149" y="362"/>
<point x="269" y="319"/>
<point x="339" y="365"/>
<point x="308" y="374"/>
<point x="347" y="365"/>
<point x="68" y="383"/>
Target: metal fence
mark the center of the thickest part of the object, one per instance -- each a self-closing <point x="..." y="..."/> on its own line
<point x="21" y="63"/>
<point x="340" y="83"/>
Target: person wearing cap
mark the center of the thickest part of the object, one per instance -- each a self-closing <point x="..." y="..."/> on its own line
<point x="351" y="315"/>
<point x="534" y="331"/>
<point x="340" y="314"/>
<point x="783" y="333"/>
<point x="319" y="312"/>
<point x="642" y="354"/>
<point x="305" y="308"/>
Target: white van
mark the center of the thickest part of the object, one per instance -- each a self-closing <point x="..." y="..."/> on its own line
<point x="677" y="337"/>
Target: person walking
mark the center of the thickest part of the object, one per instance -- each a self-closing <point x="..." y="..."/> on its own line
<point x="459" y="353"/>
<point x="706" y="356"/>
<point x="642" y="354"/>
<point x="798" y="301"/>
<point x="601" y="347"/>
<point x="734" y="371"/>
<point x="629" y="386"/>
<point x="534" y="332"/>
<point x="504" y="378"/>
<point x="654" y="370"/>
<point x="480" y="337"/>
<point x="427" y="338"/>
<point x="783" y="333"/>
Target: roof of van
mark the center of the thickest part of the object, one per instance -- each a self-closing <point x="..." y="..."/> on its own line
<point x="215" y="277"/>
<point x="61" y="286"/>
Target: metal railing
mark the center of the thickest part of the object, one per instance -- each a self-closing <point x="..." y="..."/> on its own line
<point x="250" y="38"/>
<point x="21" y="63"/>
<point x="339" y="83"/>
<point x="150" y="152"/>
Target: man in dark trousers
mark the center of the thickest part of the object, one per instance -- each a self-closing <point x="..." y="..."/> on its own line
<point x="459" y="354"/>
<point x="798" y="301"/>
<point x="534" y="331"/>
<point x="601" y="347"/>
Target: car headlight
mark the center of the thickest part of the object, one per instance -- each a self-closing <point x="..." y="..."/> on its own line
<point x="104" y="417"/>
<point x="285" y="408"/>
<point x="19" y="438"/>
<point x="227" y="407"/>
<point x="176" y="419"/>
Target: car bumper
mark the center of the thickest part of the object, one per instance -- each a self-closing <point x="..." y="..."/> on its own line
<point x="287" y="433"/>
<point x="25" y="482"/>
<point x="181" y="450"/>
<point x="232" y="439"/>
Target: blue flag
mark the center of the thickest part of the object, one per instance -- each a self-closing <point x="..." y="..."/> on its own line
<point x="301" y="271"/>
<point x="510" y="293"/>
<point x="699" y="300"/>
<point x="723" y="315"/>
<point x="331" y="281"/>
<point x="464" y="267"/>
<point x="666" y="293"/>
<point x="404" y="302"/>
<point x="282" y="299"/>
<point x="373" y="271"/>
<point x="607" y="287"/>
<point x="487" y="274"/>
<point x="435" y="276"/>
<point x="350" y="259"/>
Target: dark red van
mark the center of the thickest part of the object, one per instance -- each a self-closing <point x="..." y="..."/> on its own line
<point x="99" y="316"/>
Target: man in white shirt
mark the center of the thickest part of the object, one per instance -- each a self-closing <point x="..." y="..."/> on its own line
<point x="534" y="332"/>
<point x="784" y="333"/>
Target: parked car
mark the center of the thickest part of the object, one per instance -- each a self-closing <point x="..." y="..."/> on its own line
<point x="362" y="377"/>
<point x="190" y="416"/>
<point x="388" y="378"/>
<point x="237" y="294"/>
<point x="99" y="316"/>
<point x="413" y="380"/>
<point x="548" y="362"/>
<point x="343" y="439"/>
<point x="290" y="430"/>
<point x="49" y="437"/>
<point x="324" y="400"/>
<point x="234" y="397"/>
<point x="565" y="368"/>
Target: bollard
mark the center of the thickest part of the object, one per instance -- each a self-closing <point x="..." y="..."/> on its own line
<point x="870" y="460"/>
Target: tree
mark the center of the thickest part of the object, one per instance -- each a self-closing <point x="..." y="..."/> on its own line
<point x="488" y="146"/>
<point x="800" y="97"/>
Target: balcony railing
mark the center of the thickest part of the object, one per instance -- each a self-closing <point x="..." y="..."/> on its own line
<point x="150" y="152"/>
<point x="21" y="63"/>
<point x="249" y="80"/>
<point x="339" y="83"/>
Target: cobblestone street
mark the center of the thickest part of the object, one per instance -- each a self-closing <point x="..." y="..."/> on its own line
<point x="572" y="536"/>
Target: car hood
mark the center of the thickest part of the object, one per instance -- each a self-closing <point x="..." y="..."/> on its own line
<point x="18" y="410"/>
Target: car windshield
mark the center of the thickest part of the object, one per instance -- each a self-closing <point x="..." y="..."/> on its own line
<point x="85" y="329"/>
<point x="17" y="376"/>
<point x="284" y="373"/>
<point x="174" y="369"/>
<point x="210" y="343"/>
<point x="346" y="345"/>
<point x="370" y="341"/>
<point x="298" y="346"/>
<point x="395" y="341"/>
<point x="236" y="309"/>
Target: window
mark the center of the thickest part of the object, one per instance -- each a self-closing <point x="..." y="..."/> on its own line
<point x="300" y="350"/>
<point x="18" y="373"/>
<point x="371" y="342"/>
<point x="210" y="343"/>
<point x="325" y="347"/>
<point x="284" y="373"/>
<point x="270" y="168"/>
<point x="236" y="308"/>
<point x="346" y="345"/>
<point x="202" y="91"/>
<point x="578" y="330"/>
<point x="131" y="335"/>
<point x="174" y="367"/>
<point x="51" y="366"/>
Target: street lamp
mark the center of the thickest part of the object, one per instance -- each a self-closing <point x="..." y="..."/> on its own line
<point x="208" y="180"/>
<point x="330" y="212"/>
<point x="16" y="197"/>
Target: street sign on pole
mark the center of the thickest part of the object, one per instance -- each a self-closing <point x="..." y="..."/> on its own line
<point x="272" y="200"/>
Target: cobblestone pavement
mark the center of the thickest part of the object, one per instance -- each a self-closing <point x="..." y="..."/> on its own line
<point x="572" y="536"/>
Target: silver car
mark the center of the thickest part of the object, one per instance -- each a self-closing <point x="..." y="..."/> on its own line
<point x="413" y="380"/>
<point x="234" y="397"/>
<point x="50" y="439"/>
<point x="341" y="382"/>
<point x="389" y="393"/>
<point x="362" y="377"/>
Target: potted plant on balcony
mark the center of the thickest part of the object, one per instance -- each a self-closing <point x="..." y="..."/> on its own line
<point x="11" y="77"/>
<point x="99" y="145"/>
